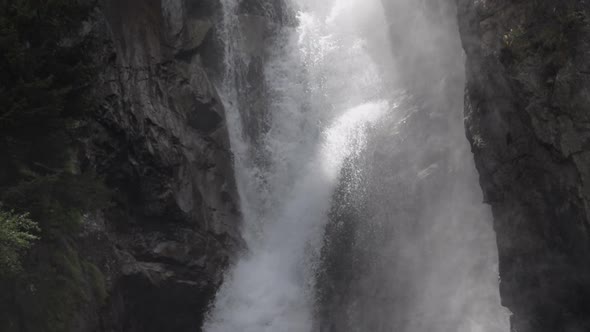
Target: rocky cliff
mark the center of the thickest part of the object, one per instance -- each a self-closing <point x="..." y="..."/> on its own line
<point x="154" y="258"/>
<point x="160" y="142"/>
<point x="156" y="135"/>
<point x="526" y="115"/>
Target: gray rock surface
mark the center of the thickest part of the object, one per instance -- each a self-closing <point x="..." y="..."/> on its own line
<point x="526" y="115"/>
<point x="161" y="143"/>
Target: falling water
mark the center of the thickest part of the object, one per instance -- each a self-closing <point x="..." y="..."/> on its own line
<point x="325" y="91"/>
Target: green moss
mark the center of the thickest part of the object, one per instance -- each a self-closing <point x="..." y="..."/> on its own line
<point x="56" y="290"/>
<point x="514" y="37"/>
<point x="58" y="202"/>
<point x="97" y="281"/>
<point x="47" y="100"/>
<point x="516" y="41"/>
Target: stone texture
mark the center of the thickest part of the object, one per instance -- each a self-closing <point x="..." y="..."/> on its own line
<point x="161" y="143"/>
<point x="526" y="116"/>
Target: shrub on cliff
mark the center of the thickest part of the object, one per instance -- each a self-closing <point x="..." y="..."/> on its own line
<point x="46" y="72"/>
<point x="17" y="234"/>
<point x="45" y="67"/>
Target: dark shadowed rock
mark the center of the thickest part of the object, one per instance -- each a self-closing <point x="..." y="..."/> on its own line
<point x="526" y="115"/>
<point x="161" y="143"/>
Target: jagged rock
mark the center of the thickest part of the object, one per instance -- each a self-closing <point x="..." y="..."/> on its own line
<point x="160" y="141"/>
<point x="526" y="111"/>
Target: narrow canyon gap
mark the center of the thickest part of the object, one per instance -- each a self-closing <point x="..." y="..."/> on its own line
<point x="360" y="202"/>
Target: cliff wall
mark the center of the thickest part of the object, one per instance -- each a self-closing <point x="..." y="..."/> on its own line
<point x="526" y="116"/>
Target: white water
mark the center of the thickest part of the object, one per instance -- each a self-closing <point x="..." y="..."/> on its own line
<point x="323" y="99"/>
<point x="325" y="91"/>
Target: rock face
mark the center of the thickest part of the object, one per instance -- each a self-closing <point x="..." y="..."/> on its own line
<point x="526" y="107"/>
<point x="161" y="143"/>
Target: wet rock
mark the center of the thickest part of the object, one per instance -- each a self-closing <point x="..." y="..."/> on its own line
<point x="160" y="141"/>
<point x="526" y="111"/>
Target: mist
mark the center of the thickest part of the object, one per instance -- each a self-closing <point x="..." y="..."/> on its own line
<point x="419" y="242"/>
<point x="361" y="204"/>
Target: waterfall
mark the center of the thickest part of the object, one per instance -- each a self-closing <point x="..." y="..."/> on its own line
<point x="326" y="91"/>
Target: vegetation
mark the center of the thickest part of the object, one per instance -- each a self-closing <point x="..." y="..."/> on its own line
<point x="52" y="298"/>
<point x="16" y="236"/>
<point x="44" y="67"/>
<point x="45" y="104"/>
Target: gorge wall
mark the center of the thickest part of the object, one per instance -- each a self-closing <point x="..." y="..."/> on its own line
<point x="526" y="116"/>
<point x="161" y="143"/>
<point x="159" y="140"/>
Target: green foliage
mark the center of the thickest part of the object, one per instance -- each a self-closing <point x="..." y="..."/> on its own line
<point x="517" y="42"/>
<point x="17" y="234"/>
<point x="46" y="73"/>
<point x="58" y="293"/>
<point x="57" y="287"/>
<point x="45" y="67"/>
<point x="58" y="201"/>
<point x="44" y="70"/>
<point x="97" y="281"/>
<point x="514" y="37"/>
